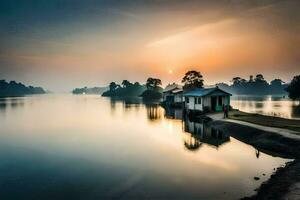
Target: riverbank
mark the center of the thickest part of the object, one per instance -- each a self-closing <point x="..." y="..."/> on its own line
<point x="276" y="122"/>
<point x="284" y="183"/>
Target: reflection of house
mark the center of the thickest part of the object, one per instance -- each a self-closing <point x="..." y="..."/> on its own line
<point x="172" y="94"/>
<point x="205" y="134"/>
<point x="173" y="113"/>
<point x="206" y="99"/>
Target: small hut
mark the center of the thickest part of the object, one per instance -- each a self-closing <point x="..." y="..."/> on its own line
<point x="206" y="99"/>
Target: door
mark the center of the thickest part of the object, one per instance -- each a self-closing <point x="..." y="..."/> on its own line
<point x="213" y="103"/>
<point x="170" y="99"/>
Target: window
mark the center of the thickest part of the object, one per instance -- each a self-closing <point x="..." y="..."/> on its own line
<point x="197" y="100"/>
<point x="187" y="100"/>
<point x="220" y="101"/>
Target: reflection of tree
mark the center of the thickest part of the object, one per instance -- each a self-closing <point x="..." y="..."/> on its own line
<point x="127" y="103"/>
<point x="153" y="112"/>
<point x="296" y="111"/>
<point x="14" y="103"/>
<point x="113" y="104"/>
<point x="3" y="104"/>
<point x="190" y="142"/>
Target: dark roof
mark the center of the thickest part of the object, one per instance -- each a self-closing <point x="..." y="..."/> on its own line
<point x="171" y="87"/>
<point x="200" y="92"/>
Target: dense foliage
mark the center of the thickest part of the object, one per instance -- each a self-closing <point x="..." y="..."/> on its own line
<point x="86" y="90"/>
<point x="254" y="86"/>
<point x="13" y="88"/>
<point x="294" y="88"/>
<point x="153" y="83"/>
<point x="154" y="91"/>
<point x="127" y="89"/>
<point x="152" y="94"/>
<point x="192" y="79"/>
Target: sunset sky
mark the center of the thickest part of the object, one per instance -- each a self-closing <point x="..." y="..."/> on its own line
<point x="62" y="44"/>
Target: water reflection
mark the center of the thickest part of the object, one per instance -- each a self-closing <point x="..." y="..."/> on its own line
<point x="11" y="103"/>
<point x="195" y="132"/>
<point x="73" y="147"/>
<point x="203" y="133"/>
<point x="3" y="104"/>
<point x="173" y="113"/>
<point x="153" y="112"/>
<point x="296" y="111"/>
<point x="279" y="106"/>
<point x="257" y="153"/>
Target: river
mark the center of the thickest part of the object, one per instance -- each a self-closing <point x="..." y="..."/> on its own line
<point x="90" y="147"/>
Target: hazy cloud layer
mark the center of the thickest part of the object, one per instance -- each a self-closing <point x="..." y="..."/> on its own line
<point x="64" y="44"/>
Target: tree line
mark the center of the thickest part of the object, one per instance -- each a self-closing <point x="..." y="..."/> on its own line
<point x="193" y="79"/>
<point x="13" y="88"/>
<point x="254" y="86"/>
<point x="151" y="89"/>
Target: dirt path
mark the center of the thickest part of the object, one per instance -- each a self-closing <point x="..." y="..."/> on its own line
<point x="283" y="132"/>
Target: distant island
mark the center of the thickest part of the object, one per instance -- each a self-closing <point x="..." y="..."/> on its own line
<point x="86" y="90"/>
<point x="126" y="89"/>
<point x="12" y="88"/>
<point x="151" y="90"/>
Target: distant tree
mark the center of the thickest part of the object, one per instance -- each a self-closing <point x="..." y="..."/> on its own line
<point x="192" y="79"/>
<point x="137" y="84"/>
<point x="243" y="81"/>
<point x="13" y="88"/>
<point x="294" y="88"/>
<point x="153" y="83"/>
<point x="276" y="82"/>
<point x="153" y="90"/>
<point x="127" y="90"/>
<point x="259" y="77"/>
<point x="113" y="86"/>
<point x="126" y="83"/>
<point x="260" y="85"/>
<point x="251" y="79"/>
<point x="236" y="80"/>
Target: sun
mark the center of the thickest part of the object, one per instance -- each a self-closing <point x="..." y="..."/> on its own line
<point x="170" y="71"/>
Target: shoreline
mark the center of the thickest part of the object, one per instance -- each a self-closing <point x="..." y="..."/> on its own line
<point x="284" y="183"/>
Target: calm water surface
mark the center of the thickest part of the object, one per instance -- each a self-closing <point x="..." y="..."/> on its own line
<point x="278" y="106"/>
<point x="89" y="147"/>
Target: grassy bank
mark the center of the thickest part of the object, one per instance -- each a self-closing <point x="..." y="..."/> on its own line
<point x="263" y="120"/>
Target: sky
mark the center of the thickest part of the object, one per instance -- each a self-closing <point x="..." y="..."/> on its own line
<point x="63" y="44"/>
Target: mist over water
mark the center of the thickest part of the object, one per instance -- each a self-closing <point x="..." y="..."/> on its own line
<point x="278" y="106"/>
<point x="90" y="147"/>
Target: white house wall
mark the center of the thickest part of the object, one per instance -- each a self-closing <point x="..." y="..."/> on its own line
<point x="206" y="101"/>
<point x="192" y="106"/>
